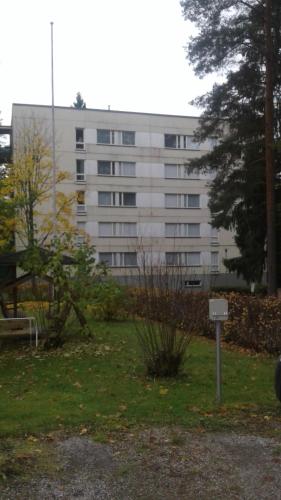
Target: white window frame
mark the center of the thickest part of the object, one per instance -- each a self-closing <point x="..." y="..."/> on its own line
<point x="116" y="137"/>
<point x="214" y="262"/>
<point x="111" y="136"/>
<point x="117" y="168"/>
<point x="180" y="171"/>
<point x="118" y="229"/>
<point x="80" y="237"/>
<point x="80" y="176"/>
<point x="118" y="259"/>
<point x="183" y="141"/>
<point x="181" y="200"/>
<point x="181" y="229"/>
<point x="133" y="135"/>
<point x="182" y="259"/>
<point x="81" y="207"/>
<point x="116" y="199"/>
<point x="80" y="145"/>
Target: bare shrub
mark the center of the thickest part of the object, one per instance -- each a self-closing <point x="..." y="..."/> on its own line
<point x="166" y="329"/>
<point x="254" y="323"/>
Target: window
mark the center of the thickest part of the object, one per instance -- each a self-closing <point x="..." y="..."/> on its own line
<point x="171" y="200"/>
<point x="127" y="169"/>
<point x="191" y="259"/>
<point x="170" y="141"/>
<point x="128" y="199"/>
<point x="122" y="168"/>
<point x="189" y="143"/>
<point x="193" y="230"/>
<point x="182" y="200"/>
<point x="174" y="171"/>
<point x="107" y="198"/>
<point x="80" y="238"/>
<point x="192" y="283"/>
<point x="180" y="230"/>
<point x="79" y="133"/>
<point x="106" y="258"/>
<point x="192" y="201"/>
<point x="120" y="229"/>
<point x="180" y="142"/>
<point x="105" y="229"/>
<point x="172" y="259"/>
<point x="130" y="259"/>
<point x="128" y="138"/>
<point x="118" y="259"/>
<point x="214" y="236"/>
<point x="117" y="137"/>
<point x="105" y="136"/>
<point x="81" y="207"/>
<point x="80" y="171"/>
<point x="104" y="167"/>
<point x="214" y="262"/>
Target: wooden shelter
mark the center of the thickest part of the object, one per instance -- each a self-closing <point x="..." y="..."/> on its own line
<point x="9" y="282"/>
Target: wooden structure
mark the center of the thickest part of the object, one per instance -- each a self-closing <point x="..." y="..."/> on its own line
<point x="10" y="283"/>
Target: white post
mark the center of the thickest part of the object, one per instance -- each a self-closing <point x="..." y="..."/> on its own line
<point x="53" y="130"/>
<point x="218" y="312"/>
<point x="218" y="360"/>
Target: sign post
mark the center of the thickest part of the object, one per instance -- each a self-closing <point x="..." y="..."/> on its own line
<point x="218" y="311"/>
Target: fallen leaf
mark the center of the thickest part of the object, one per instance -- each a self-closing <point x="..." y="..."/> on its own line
<point x="32" y="438"/>
<point x="77" y="384"/>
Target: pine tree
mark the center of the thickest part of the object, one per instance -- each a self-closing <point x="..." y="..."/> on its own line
<point x="79" y="103"/>
<point x="231" y="40"/>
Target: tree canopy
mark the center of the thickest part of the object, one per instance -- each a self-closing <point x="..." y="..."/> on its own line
<point x="79" y="103"/>
<point x="230" y="40"/>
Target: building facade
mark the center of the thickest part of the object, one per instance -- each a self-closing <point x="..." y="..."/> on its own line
<point x="136" y="198"/>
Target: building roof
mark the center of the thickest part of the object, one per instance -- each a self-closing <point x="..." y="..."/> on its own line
<point x="104" y="110"/>
<point x="15" y="258"/>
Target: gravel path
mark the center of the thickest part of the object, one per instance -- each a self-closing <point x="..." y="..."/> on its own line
<point x="157" y="464"/>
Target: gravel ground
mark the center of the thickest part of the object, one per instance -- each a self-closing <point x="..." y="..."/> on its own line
<point x="157" y="464"/>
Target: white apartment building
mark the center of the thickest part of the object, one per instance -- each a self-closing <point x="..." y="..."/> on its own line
<point x="136" y="198"/>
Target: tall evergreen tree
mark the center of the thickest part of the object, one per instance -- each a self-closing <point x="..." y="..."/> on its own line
<point x="79" y="103"/>
<point x="230" y="40"/>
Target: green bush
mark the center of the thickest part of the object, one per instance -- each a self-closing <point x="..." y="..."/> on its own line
<point x="109" y="301"/>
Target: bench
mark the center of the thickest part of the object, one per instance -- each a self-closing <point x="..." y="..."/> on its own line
<point x="15" y="327"/>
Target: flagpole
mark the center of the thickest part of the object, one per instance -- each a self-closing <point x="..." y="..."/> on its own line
<point x="53" y="130"/>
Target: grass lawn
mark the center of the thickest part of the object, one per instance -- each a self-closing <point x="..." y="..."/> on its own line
<point x="101" y="386"/>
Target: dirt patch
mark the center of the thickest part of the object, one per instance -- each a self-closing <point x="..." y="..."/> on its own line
<point x="157" y="464"/>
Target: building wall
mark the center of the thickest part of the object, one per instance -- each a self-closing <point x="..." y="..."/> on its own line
<point x="149" y="156"/>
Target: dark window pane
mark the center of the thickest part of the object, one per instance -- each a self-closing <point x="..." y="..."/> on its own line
<point x="130" y="259"/>
<point x="171" y="258"/>
<point x="128" y="138"/>
<point x="79" y="135"/>
<point x="103" y="136"/>
<point x="104" y="168"/>
<point x="129" y="199"/>
<point x="106" y="258"/>
<point x="170" y="141"/>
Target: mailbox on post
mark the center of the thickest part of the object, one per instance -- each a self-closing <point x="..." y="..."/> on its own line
<point x="218" y="311"/>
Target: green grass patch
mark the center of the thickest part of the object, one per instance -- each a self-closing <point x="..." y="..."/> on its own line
<point x="100" y="386"/>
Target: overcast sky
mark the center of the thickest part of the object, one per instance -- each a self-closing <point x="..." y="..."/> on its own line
<point x="128" y="54"/>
